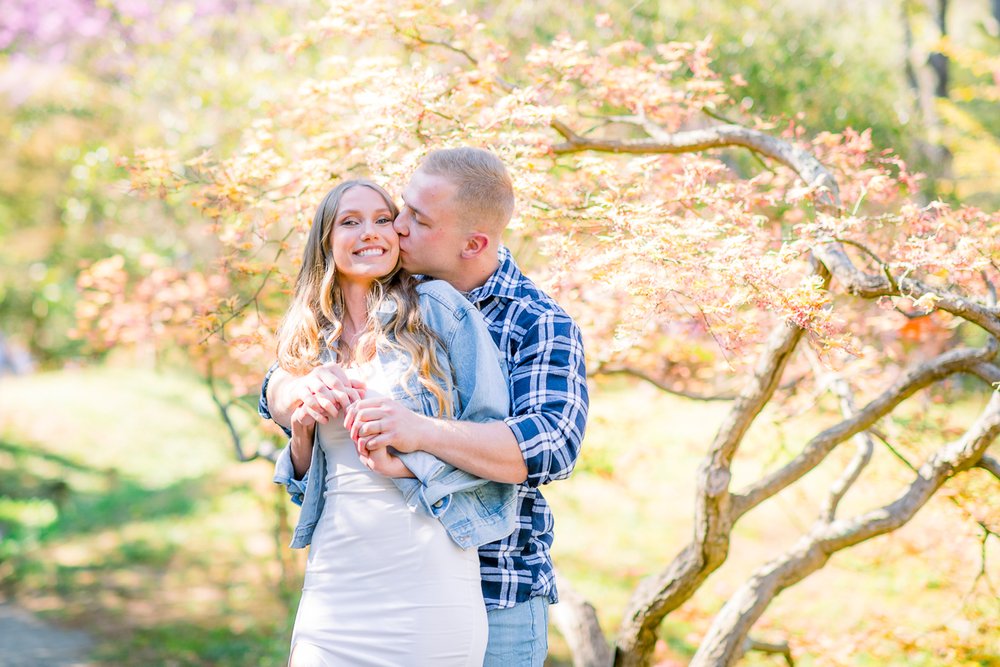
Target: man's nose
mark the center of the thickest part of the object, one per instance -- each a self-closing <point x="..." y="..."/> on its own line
<point x="401" y="224"/>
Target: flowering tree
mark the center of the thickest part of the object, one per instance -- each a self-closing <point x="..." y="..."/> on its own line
<point x="708" y="251"/>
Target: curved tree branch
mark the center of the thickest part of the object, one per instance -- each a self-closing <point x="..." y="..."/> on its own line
<point x="578" y="623"/>
<point x="988" y="373"/>
<point x="657" y="595"/>
<point x="725" y="641"/>
<point x="799" y="160"/>
<point x="266" y="450"/>
<point x="991" y="464"/>
<point x="869" y="286"/>
<point x="820" y="446"/>
<point x="780" y="648"/>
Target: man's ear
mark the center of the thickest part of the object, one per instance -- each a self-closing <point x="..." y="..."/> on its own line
<point x="476" y="244"/>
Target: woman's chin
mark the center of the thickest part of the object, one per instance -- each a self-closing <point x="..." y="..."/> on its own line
<point x="371" y="271"/>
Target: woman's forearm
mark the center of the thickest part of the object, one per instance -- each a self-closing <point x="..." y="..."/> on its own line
<point x="301" y="447"/>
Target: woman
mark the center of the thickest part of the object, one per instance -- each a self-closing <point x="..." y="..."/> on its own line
<point x="388" y="581"/>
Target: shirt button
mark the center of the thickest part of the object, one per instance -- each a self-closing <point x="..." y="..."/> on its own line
<point x="439" y="504"/>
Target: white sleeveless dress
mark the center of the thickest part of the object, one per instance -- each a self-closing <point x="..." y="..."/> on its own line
<point x="385" y="586"/>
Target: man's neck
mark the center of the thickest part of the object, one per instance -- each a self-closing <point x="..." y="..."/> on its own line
<point x="475" y="274"/>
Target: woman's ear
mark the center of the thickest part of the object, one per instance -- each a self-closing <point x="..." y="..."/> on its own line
<point x="475" y="244"/>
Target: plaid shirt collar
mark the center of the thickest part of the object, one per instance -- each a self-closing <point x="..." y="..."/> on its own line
<point x="505" y="282"/>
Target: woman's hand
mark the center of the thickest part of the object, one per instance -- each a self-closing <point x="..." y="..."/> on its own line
<point x="376" y="423"/>
<point x="325" y="391"/>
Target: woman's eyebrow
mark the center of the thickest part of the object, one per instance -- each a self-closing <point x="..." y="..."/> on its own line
<point x="341" y="214"/>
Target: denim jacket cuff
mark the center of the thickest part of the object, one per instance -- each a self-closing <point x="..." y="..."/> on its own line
<point x="284" y="474"/>
<point x="425" y="491"/>
<point x="416" y="496"/>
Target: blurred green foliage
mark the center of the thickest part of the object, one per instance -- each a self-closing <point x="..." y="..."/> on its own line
<point x="835" y="63"/>
<point x="172" y="82"/>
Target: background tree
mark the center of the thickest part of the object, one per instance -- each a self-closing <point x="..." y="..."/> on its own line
<point x="83" y="82"/>
<point x="813" y="274"/>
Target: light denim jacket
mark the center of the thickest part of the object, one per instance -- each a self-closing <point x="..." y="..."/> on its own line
<point x="474" y="511"/>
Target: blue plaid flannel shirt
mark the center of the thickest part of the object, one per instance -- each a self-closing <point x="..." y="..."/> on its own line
<point x="543" y="349"/>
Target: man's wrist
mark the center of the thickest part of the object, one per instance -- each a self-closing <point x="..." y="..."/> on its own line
<point x="422" y="436"/>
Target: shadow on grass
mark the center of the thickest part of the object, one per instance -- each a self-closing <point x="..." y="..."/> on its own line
<point x="48" y="497"/>
<point x="196" y="645"/>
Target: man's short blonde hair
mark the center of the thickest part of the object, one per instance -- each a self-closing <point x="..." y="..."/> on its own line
<point x="484" y="193"/>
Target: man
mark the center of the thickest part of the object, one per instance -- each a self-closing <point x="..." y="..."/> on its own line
<point x="456" y="207"/>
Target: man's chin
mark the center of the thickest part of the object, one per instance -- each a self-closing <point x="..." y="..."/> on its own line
<point x="408" y="264"/>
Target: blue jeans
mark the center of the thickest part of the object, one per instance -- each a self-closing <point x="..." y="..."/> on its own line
<point x="519" y="635"/>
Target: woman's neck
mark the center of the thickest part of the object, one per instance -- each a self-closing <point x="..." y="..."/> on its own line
<point x="355" y="308"/>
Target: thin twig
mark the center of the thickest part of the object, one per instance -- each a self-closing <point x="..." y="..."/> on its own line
<point x="224" y="413"/>
<point x="990" y="464"/>
<point x="607" y="369"/>
<point x="990" y="287"/>
<point x="417" y="37"/>
<point x="865" y="446"/>
<point x="236" y="312"/>
<point x="882" y="265"/>
<point x="780" y="648"/>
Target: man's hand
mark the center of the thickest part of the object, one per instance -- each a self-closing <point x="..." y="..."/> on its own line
<point x="376" y="423"/>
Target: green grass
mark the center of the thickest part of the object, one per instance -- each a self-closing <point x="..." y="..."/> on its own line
<point x="123" y="511"/>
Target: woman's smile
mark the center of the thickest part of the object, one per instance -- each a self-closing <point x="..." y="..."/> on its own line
<point x="365" y="247"/>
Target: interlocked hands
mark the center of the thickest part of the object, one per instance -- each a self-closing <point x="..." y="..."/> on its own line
<point x="374" y="423"/>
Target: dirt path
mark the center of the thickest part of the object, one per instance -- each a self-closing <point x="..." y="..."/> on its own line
<point x="26" y="640"/>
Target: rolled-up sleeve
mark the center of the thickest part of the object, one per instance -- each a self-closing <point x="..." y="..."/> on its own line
<point x="284" y="474"/>
<point x="262" y="407"/>
<point x="548" y="386"/>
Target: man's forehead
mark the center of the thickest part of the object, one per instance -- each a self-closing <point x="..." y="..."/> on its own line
<point x="434" y="186"/>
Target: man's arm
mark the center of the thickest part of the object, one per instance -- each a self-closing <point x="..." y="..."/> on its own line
<point x="548" y="387"/>
<point x="539" y="443"/>
<point x="487" y="450"/>
<point x="476" y="441"/>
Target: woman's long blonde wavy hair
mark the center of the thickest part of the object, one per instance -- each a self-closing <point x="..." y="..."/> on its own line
<point x="314" y="320"/>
